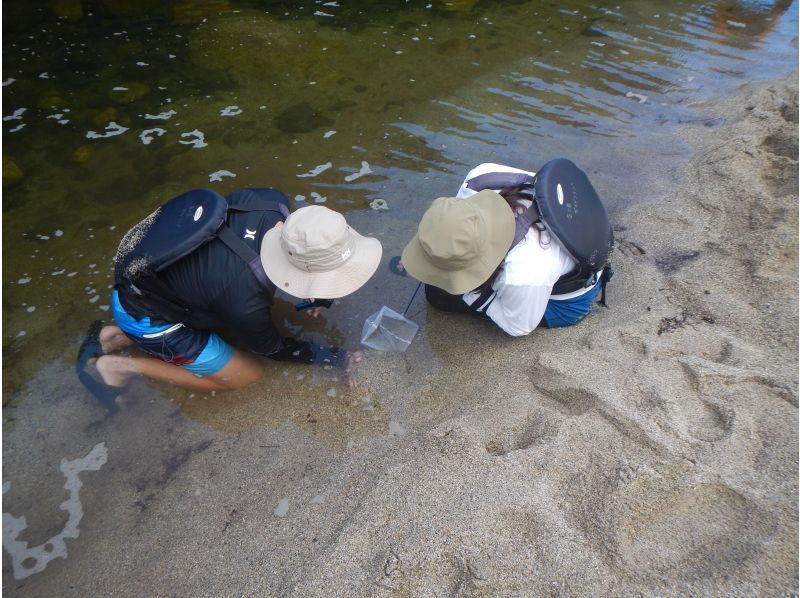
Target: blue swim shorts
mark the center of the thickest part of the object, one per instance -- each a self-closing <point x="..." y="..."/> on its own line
<point x="198" y="351"/>
<point x="566" y="312"/>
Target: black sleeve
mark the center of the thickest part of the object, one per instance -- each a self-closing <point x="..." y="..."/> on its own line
<point x="242" y="308"/>
<point x="256" y="333"/>
<point x="305" y="352"/>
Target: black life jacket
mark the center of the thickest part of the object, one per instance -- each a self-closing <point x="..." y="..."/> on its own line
<point x="566" y="207"/>
<point x="175" y="230"/>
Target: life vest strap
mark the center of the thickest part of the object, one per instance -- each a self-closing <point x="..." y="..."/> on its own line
<point x="247" y="254"/>
<point x="608" y="272"/>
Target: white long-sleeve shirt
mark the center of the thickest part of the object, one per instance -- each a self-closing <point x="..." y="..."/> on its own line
<point x="523" y="287"/>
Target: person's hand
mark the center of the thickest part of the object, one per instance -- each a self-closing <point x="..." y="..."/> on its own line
<point x="396" y="266"/>
<point x="353" y="358"/>
<point x="313" y="311"/>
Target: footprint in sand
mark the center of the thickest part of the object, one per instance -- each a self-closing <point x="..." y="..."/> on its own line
<point x="537" y="427"/>
<point x="688" y="533"/>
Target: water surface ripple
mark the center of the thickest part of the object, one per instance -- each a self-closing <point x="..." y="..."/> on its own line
<point x="111" y="107"/>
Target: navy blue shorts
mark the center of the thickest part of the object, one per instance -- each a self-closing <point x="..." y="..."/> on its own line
<point x="198" y="351"/>
<point x="558" y="313"/>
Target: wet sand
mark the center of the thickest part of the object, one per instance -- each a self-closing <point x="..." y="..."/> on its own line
<point x="653" y="449"/>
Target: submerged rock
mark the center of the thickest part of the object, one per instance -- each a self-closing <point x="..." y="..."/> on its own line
<point x="301" y="118"/>
<point x="459" y="5"/>
<point x="101" y="119"/>
<point x="451" y="47"/>
<point x="190" y="12"/>
<point x="126" y="8"/>
<point x="52" y="99"/>
<point x="68" y="9"/>
<point x="129" y="92"/>
<point x="82" y="154"/>
<point x="12" y="173"/>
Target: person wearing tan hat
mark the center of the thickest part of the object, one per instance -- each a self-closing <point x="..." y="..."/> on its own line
<point x="463" y="253"/>
<point x="312" y="254"/>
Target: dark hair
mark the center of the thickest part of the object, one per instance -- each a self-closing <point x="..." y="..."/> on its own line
<point x="514" y="197"/>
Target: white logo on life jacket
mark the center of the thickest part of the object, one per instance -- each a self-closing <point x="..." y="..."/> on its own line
<point x="197" y="213"/>
<point x="560" y="194"/>
<point x="249" y="234"/>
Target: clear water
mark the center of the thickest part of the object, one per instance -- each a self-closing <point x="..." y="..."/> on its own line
<point x="111" y="107"/>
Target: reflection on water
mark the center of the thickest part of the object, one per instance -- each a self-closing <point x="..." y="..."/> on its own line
<point x="112" y="107"/>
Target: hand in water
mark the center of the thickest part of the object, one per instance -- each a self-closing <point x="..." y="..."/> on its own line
<point x="353" y="357"/>
<point x="313" y="311"/>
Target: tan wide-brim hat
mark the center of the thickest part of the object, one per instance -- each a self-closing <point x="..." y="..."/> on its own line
<point x="317" y="255"/>
<point x="460" y="242"/>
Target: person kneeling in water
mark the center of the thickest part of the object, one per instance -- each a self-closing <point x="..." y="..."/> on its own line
<point x="475" y="258"/>
<point x="313" y="254"/>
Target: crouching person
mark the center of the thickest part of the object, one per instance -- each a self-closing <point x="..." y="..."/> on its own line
<point x="202" y="264"/>
<point x="522" y="249"/>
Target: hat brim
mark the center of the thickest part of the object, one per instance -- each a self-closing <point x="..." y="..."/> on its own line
<point x="499" y="220"/>
<point x="345" y="279"/>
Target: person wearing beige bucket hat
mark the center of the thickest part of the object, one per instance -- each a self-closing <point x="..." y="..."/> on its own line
<point x="477" y="256"/>
<point x="317" y="254"/>
<point x="202" y="267"/>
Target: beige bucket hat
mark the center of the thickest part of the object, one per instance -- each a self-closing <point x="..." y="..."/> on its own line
<point x="460" y="242"/>
<point x="316" y="254"/>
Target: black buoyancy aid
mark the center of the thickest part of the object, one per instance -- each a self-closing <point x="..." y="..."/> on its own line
<point x="175" y="230"/>
<point x="566" y="206"/>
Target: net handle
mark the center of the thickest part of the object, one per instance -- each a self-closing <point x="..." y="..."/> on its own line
<point x="405" y="311"/>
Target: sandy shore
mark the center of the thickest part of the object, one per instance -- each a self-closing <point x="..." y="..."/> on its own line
<point x="653" y="449"/>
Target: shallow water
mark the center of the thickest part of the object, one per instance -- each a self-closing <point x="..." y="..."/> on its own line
<point x="112" y="107"/>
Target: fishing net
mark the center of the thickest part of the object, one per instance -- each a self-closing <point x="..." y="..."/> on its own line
<point x="387" y="330"/>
